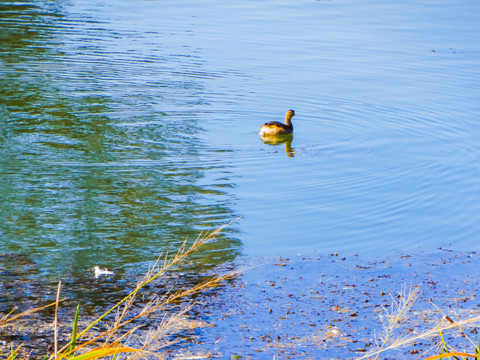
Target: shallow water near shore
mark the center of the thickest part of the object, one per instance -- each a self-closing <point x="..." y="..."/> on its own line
<point x="335" y="307"/>
<point x="315" y="307"/>
<point x="126" y="128"/>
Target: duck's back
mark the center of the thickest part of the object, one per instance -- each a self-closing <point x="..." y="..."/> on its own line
<point x="275" y="128"/>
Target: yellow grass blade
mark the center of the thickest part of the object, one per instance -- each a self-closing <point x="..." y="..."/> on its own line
<point x="451" y="354"/>
<point x="102" y="352"/>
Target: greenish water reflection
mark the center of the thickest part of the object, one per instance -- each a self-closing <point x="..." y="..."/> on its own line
<point x="101" y="163"/>
<point x="128" y="126"/>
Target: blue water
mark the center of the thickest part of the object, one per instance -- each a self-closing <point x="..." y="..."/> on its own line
<point x="386" y="97"/>
<point x="127" y="127"/>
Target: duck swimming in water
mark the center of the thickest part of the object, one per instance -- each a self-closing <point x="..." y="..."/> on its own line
<point x="277" y="128"/>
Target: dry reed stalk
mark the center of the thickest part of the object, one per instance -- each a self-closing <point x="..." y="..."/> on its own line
<point x="56" y="319"/>
<point x="434" y="331"/>
<point x="152" y="337"/>
<point x="425" y="335"/>
<point x="456" y="325"/>
<point x="5" y="320"/>
<point x="172" y="298"/>
<point x="14" y="352"/>
<point x="158" y="269"/>
<point x="399" y="308"/>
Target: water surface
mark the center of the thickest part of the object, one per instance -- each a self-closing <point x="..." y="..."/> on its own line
<point x="127" y="127"/>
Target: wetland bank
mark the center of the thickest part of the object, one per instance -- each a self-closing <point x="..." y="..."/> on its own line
<point x="128" y="127"/>
<point x="323" y="307"/>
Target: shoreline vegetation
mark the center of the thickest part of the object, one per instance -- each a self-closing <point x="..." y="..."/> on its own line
<point x="407" y="329"/>
<point x="112" y="343"/>
<point x="393" y="319"/>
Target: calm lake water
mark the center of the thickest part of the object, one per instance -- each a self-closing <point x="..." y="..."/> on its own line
<point x="127" y="127"/>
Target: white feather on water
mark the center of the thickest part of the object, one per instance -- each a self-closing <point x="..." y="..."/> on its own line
<point x="99" y="272"/>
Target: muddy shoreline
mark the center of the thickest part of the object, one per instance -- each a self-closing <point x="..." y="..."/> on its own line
<point x="326" y="306"/>
<point x="332" y="307"/>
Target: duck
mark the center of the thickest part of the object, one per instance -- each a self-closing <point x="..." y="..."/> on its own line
<point x="277" y="128"/>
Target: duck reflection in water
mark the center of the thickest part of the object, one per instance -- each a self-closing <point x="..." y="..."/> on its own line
<point x="280" y="139"/>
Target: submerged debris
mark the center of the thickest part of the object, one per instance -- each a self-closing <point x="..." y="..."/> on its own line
<point x="338" y="307"/>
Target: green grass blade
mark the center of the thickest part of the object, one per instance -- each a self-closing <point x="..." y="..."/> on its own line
<point x="478" y="348"/>
<point x="74" y="332"/>
<point x="443" y="341"/>
<point x="444" y="348"/>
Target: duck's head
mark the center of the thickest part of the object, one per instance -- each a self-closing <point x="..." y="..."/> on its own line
<point x="290" y="113"/>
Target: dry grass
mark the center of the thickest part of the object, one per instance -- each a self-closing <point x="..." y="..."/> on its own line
<point x="115" y="339"/>
<point x="394" y="318"/>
